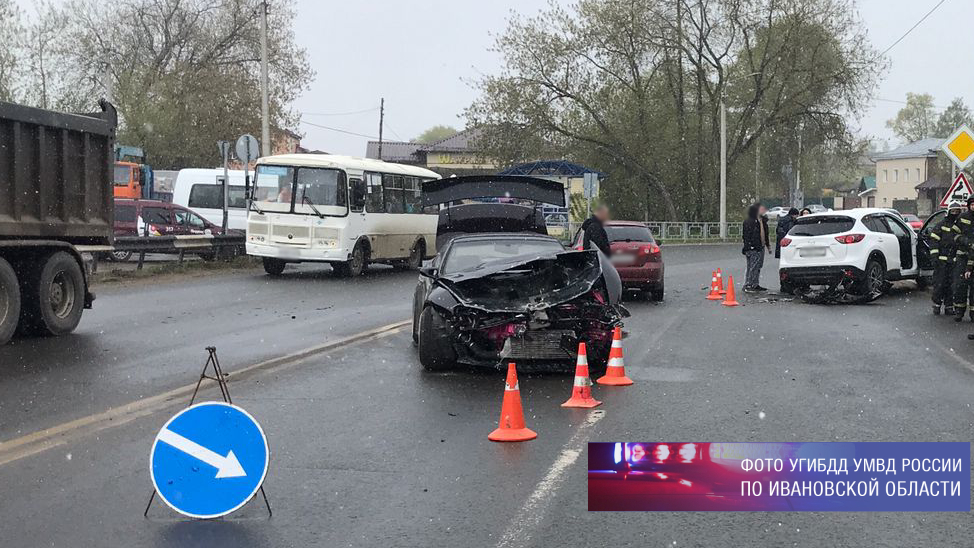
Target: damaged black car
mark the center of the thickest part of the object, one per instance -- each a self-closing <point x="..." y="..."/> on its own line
<point x="490" y="297"/>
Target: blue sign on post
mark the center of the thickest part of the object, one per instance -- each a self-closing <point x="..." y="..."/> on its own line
<point x="209" y="460"/>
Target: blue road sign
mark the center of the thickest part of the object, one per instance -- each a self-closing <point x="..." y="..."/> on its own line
<point x="209" y="460"/>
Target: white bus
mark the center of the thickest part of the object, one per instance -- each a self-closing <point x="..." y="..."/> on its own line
<point x="338" y="209"/>
<point x="202" y="191"/>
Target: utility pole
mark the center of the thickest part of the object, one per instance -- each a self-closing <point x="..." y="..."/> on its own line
<point x="265" y="123"/>
<point x="757" y="168"/>
<point x="382" y="112"/>
<point x="798" y="172"/>
<point x="723" y="169"/>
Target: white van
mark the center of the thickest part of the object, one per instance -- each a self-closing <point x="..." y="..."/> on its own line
<point x="202" y="191"/>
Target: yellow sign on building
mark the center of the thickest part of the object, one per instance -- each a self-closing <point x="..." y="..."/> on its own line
<point x="960" y="147"/>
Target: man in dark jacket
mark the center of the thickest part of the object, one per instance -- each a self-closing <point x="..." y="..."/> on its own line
<point x="754" y="232"/>
<point x="593" y="231"/>
<point x="784" y="225"/>
<point x="942" y="242"/>
<point x="961" y="288"/>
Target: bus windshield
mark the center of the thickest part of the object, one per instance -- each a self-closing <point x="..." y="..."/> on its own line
<point x="301" y="190"/>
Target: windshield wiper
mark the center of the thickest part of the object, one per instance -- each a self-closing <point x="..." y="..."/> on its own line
<point x="307" y="201"/>
<point x="252" y="204"/>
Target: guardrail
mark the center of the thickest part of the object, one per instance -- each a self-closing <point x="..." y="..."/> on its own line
<point x="668" y="231"/>
<point x="206" y="245"/>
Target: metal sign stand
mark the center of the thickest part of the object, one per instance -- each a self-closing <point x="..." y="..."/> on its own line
<point x="222" y="379"/>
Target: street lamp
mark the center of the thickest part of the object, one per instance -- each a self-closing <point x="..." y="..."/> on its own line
<point x="723" y="156"/>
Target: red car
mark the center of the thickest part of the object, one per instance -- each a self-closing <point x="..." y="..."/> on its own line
<point x="155" y="218"/>
<point x="636" y="256"/>
<point x="915" y="222"/>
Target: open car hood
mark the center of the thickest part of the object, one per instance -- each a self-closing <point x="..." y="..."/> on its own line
<point x="454" y="189"/>
<point x="526" y="284"/>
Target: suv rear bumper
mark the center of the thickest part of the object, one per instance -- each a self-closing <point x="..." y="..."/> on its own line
<point x="819" y="275"/>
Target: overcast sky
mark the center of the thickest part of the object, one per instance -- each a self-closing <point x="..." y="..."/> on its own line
<point x="420" y="54"/>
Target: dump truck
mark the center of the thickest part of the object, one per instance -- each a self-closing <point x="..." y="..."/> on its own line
<point x="56" y="205"/>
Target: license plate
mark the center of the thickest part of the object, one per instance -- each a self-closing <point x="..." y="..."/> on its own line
<point x="812" y="252"/>
<point x="623" y="259"/>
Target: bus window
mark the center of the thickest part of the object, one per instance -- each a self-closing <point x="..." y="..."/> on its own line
<point x="321" y="187"/>
<point x="356" y="202"/>
<point x="373" y="197"/>
<point x="392" y="187"/>
<point x="411" y="195"/>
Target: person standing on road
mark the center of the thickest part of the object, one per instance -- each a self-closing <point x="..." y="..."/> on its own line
<point x="962" y="288"/>
<point x="754" y="232"/>
<point x="942" y="241"/>
<point x="784" y="225"/>
<point x="593" y="231"/>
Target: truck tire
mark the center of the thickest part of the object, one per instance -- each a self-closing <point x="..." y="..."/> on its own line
<point x="272" y="266"/>
<point x="52" y="296"/>
<point x="9" y="301"/>
<point x="436" y="351"/>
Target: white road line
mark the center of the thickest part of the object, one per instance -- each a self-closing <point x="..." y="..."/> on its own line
<point x="529" y="516"/>
<point x="42" y="440"/>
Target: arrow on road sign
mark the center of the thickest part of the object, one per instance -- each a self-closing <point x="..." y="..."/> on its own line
<point x="226" y="467"/>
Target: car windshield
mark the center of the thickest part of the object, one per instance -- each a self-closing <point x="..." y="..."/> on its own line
<point x="911" y="218"/>
<point x="469" y="255"/>
<point x="823" y="225"/>
<point x="626" y="233"/>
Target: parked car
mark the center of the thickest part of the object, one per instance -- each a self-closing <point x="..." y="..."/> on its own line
<point x="866" y="247"/>
<point x="913" y="221"/>
<point x="777" y="212"/>
<point x="155" y="218"/>
<point x="636" y="255"/>
<point x="818" y="208"/>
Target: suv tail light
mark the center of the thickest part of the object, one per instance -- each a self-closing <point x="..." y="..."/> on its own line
<point x="850" y="238"/>
<point x="785" y="242"/>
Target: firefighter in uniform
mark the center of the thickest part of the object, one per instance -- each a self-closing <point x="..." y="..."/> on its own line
<point x="942" y="253"/>
<point x="962" y="288"/>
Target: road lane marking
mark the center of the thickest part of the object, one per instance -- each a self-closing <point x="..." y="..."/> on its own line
<point x="42" y="440"/>
<point x="529" y="516"/>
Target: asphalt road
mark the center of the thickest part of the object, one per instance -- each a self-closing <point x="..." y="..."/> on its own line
<point x="369" y="450"/>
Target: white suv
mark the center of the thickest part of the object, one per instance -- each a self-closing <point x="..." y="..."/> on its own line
<point x="869" y="247"/>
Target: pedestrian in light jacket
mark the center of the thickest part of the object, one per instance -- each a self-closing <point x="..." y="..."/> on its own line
<point x="754" y="232"/>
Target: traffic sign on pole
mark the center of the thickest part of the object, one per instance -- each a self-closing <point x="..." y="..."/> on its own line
<point x="247" y="149"/>
<point x="209" y="460"/>
<point x="959" y="191"/>
<point x="959" y="147"/>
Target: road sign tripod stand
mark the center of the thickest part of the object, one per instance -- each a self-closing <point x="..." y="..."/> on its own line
<point x="222" y="380"/>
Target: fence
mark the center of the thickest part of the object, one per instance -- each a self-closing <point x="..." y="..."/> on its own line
<point x="206" y="245"/>
<point x="665" y="231"/>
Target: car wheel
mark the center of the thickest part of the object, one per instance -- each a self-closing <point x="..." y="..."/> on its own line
<point x="9" y="301"/>
<point x="924" y="282"/>
<point x="656" y="293"/>
<point x="436" y="351"/>
<point x="875" y="278"/>
<point x="598" y="358"/>
<point x="274" y="267"/>
<point x="54" y="297"/>
<point x="787" y="288"/>
<point x="119" y="256"/>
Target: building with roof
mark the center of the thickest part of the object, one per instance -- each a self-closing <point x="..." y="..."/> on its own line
<point x="899" y="171"/>
<point x="455" y="155"/>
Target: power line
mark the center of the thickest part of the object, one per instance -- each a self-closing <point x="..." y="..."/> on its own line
<point x="922" y="19"/>
<point x="363" y="111"/>
<point x="339" y="130"/>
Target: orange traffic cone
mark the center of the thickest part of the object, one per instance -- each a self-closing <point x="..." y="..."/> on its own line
<point x="582" y="391"/>
<point x="511" y="427"/>
<point x="615" y="372"/>
<point x="730" y="299"/>
<point x="720" y="283"/>
<point x="714" y="294"/>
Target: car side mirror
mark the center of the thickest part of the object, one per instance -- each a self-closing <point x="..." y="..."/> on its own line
<point x="428" y="271"/>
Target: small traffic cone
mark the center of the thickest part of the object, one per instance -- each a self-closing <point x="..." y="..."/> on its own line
<point x="511" y="426"/>
<point x="714" y="294"/>
<point x="582" y="390"/>
<point x="730" y="299"/>
<point x="615" y="372"/>
<point x="720" y="283"/>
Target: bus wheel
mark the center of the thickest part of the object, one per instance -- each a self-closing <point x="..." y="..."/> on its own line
<point x="274" y="267"/>
<point x="355" y="265"/>
<point x="416" y="256"/>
